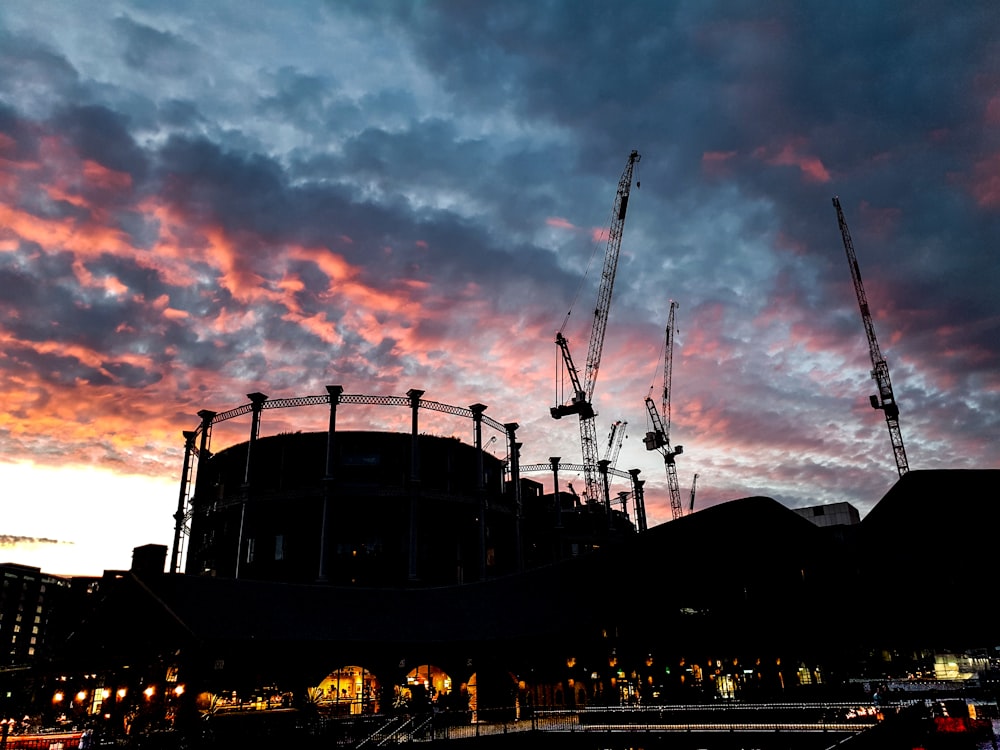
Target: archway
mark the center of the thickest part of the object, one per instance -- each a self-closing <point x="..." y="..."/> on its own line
<point x="424" y="687"/>
<point x="348" y="690"/>
<point x="493" y="696"/>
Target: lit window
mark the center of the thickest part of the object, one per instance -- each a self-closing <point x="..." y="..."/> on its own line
<point x="279" y="547"/>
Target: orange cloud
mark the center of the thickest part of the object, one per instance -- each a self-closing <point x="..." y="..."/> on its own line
<point x="100" y="176"/>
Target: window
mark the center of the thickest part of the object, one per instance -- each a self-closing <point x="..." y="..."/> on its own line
<point x="279" y="547"/>
<point x="250" y="545"/>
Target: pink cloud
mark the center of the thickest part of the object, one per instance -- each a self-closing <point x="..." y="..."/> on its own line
<point x="559" y="223"/>
<point x="716" y="163"/>
<point x="790" y="155"/>
<point x="881" y="222"/>
<point x="985" y="182"/>
<point x="993" y="111"/>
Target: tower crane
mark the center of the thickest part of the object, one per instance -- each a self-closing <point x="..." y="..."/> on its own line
<point x="884" y="399"/>
<point x="615" y="438"/>
<point x="581" y="401"/>
<point x="659" y="437"/>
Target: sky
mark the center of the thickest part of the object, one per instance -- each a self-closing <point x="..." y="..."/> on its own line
<point x="203" y="200"/>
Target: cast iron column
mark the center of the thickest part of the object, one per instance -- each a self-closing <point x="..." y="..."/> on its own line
<point x="256" y="405"/>
<point x="335" y="391"/>
<point x="639" y="500"/>
<point x="602" y="466"/>
<point x="477" y="419"/>
<point x="515" y="478"/>
<point x="554" y="460"/>
<point x="175" y="556"/>
<point x="414" y="395"/>
<point x="203" y="455"/>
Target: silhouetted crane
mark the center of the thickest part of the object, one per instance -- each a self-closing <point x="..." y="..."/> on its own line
<point x="659" y="437"/>
<point x="884" y="399"/>
<point x="581" y="402"/>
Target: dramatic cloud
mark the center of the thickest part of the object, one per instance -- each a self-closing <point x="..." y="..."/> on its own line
<point x="198" y="203"/>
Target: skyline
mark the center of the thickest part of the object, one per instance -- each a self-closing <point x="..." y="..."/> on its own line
<point x="197" y="203"/>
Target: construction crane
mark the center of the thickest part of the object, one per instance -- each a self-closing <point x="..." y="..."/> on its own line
<point x="694" y="483"/>
<point x="615" y="438"/>
<point x="884" y="399"/>
<point x="659" y="437"/>
<point x="581" y="402"/>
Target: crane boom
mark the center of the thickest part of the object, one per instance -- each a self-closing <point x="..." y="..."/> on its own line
<point x="668" y="367"/>
<point x="659" y="437"/>
<point x="582" y="400"/>
<point x="884" y="400"/>
<point x="608" y="275"/>
<point x="694" y="483"/>
<point x="615" y="439"/>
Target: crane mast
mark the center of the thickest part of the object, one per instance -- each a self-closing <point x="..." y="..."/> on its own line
<point x="884" y="399"/>
<point x="659" y="437"/>
<point x="582" y="400"/>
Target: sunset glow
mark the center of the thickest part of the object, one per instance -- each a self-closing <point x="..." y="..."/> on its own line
<point x="188" y="215"/>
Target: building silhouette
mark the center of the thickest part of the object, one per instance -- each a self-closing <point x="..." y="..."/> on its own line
<point x="377" y="572"/>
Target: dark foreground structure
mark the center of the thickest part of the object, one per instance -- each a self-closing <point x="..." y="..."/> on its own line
<point x="331" y="585"/>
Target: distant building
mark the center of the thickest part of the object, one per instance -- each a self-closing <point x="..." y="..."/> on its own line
<point x="831" y="514"/>
<point x="27" y="600"/>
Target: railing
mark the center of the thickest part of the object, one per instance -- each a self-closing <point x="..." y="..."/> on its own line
<point x="833" y="718"/>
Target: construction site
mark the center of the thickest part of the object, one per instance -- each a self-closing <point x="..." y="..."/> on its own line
<point x="360" y="573"/>
<point x="431" y="511"/>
